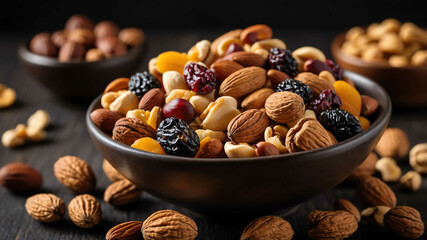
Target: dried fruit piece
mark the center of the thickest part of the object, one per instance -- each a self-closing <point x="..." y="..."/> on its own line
<point x="268" y="227"/>
<point x="405" y="222"/>
<point x="282" y="60"/>
<point x="20" y="177"/>
<point x="300" y="88"/>
<point x="336" y="69"/>
<point x="169" y="225"/>
<point x="341" y="123"/>
<point x="373" y="192"/>
<point x="45" y="207"/>
<point x="364" y="122"/>
<point x="75" y="173"/>
<point x="142" y="82"/>
<point x="121" y="193"/>
<point x="199" y="78"/>
<point x="331" y="224"/>
<point x="85" y="211"/>
<point x="179" y="108"/>
<point x="148" y="144"/>
<point x="171" y="61"/>
<point x="328" y="99"/>
<point x="125" y="231"/>
<point x="350" y="97"/>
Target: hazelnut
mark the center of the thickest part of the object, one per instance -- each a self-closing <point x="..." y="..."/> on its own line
<point x="106" y="29"/>
<point x="42" y="44"/>
<point x="394" y="143"/>
<point x="78" y="21"/>
<point x="132" y="36"/>
<point x="71" y="51"/>
<point x="81" y="35"/>
<point x="94" y="54"/>
<point x="111" y="46"/>
<point x="59" y="38"/>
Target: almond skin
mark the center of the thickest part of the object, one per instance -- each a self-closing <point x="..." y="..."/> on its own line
<point x="276" y="77"/>
<point x="256" y="100"/>
<point x="243" y="82"/>
<point x="152" y="98"/>
<point x="373" y="192"/>
<point x="248" y="126"/>
<point x="20" y="177"/>
<point x="224" y="68"/>
<point x="246" y="59"/>
<point x="105" y="119"/>
<point x="125" y="231"/>
<point x="314" y="82"/>
<point x="117" y="85"/>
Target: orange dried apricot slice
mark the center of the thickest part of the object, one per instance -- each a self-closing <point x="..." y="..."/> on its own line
<point x="148" y="144"/>
<point x="350" y="97"/>
<point x="171" y="61"/>
<point x="364" y="122"/>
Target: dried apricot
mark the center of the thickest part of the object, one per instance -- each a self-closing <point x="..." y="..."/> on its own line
<point x="364" y="122"/>
<point x="171" y="61"/>
<point x="350" y="97"/>
<point x="148" y="144"/>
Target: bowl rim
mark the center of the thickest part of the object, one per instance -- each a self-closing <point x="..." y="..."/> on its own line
<point x="382" y="119"/>
<point x="357" y="61"/>
<point x="25" y="54"/>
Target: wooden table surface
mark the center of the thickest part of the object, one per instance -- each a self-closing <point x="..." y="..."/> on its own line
<point x="67" y="135"/>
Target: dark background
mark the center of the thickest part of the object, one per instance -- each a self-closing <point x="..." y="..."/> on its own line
<point x="35" y="16"/>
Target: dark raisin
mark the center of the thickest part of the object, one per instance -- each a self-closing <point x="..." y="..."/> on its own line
<point x="142" y="82"/>
<point x="297" y="87"/>
<point x="282" y="60"/>
<point x="199" y="79"/>
<point x="328" y="99"/>
<point x="336" y="69"/>
<point x="177" y="137"/>
<point x="340" y="123"/>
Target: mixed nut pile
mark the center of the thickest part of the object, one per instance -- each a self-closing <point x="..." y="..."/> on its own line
<point x="242" y="95"/>
<point x="81" y="39"/>
<point x="390" y="42"/>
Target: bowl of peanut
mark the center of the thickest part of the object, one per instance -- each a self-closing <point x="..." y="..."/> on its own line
<point x="392" y="53"/>
<point x="240" y="125"/>
<point x="75" y="63"/>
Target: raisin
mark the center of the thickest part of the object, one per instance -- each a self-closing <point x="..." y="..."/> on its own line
<point x="282" y="60"/>
<point x="142" y="82"/>
<point x="297" y="87"/>
<point x="199" y="79"/>
<point x="340" y="123"/>
<point x="328" y="99"/>
<point x="177" y="137"/>
<point x="336" y="69"/>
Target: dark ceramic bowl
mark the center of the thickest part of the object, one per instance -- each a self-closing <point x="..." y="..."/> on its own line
<point x="78" y="80"/>
<point x="245" y="186"/>
<point x="405" y="85"/>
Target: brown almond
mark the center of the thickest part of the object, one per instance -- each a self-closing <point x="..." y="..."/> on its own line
<point x="373" y="192"/>
<point x="243" y="82"/>
<point x="331" y="224"/>
<point x="369" y="105"/>
<point x="266" y="149"/>
<point x="152" y="98"/>
<point x="343" y="204"/>
<point x="256" y="100"/>
<point x="45" y="207"/>
<point x="256" y="33"/>
<point x="105" y="119"/>
<point x="128" y="130"/>
<point x="246" y="59"/>
<point x="117" y="85"/>
<point x="405" y="222"/>
<point x="211" y="149"/>
<point x="75" y="173"/>
<point x="121" y="193"/>
<point x="111" y="172"/>
<point x="308" y="134"/>
<point x="125" y="231"/>
<point x="20" y="177"/>
<point x="84" y="210"/>
<point x="314" y="82"/>
<point x="268" y="227"/>
<point x="176" y="224"/>
<point x="224" y="68"/>
<point x="276" y="77"/>
<point x="284" y="107"/>
<point x="248" y="126"/>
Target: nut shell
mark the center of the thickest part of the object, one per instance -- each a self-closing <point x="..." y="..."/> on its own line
<point x="111" y="47"/>
<point x="75" y="174"/>
<point x="405" y="222"/>
<point x="284" y="107"/>
<point x="268" y="227"/>
<point x="111" y="172"/>
<point x="78" y="21"/>
<point x="45" y="207"/>
<point x="394" y="143"/>
<point x="373" y="192"/>
<point x="106" y="29"/>
<point x="331" y="224"/>
<point x="20" y="177"/>
<point x="85" y="211"/>
<point x="121" y="193"/>
<point x="128" y="130"/>
<point x="42" y="44"/>
<point x="125" y="231"/>
<point x="248" y="126"/>
<point x="343" y="204"/>
<point x="169" y="225"/>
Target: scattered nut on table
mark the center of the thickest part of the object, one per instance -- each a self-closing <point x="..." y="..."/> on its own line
<point x="7" y="96"/>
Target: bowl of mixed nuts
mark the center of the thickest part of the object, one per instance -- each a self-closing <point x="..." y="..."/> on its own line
<point x="240" y="125"/>
<point x="79" y="60"/>
<point x="388" y="52"/>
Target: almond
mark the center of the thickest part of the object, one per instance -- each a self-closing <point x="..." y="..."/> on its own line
<point x="276" y="77"/>
<point x="20" y="177"/>
<point x="256" y="100"/>
<point x="243" y="82"/>
<point x="127" y="230"/>
<point x="248" y="126"/>
<point x="246" y="59"/>
<point x="105" y="119"/>
<point x="331" y="224"/>
<point x="343" y="204"/>
<point x="308" y="134"/>
<point x="266" y="149"/>
<point x="121" y="193"/>
<point x="152" y="98"/>
<point x="314" y="82"/>
<point x="224" y="68"/>
<point x="117" y="85"/>
<point x="373" y="192"/>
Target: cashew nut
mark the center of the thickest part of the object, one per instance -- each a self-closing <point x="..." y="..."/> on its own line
<point x="201" y="52"/>
<point x="201" y="102"/>
<point x="125" y="102"/>
<point x="419" y="58"/>
<point x="241" y="150"/>
<point x="276" y="135"/>
<point x="390" y="171"/>
<point x="391" y="43"/>
<point x="267" y="44"/>
<point x="304" y="53"/>
<point x="14" y="137"/>
<point x="219" y="113"/>
<point x="418" y="158"/>
<point x="180" y="93"/>
<point x="410" y="33"/>
<point x="203" y="133"/>
<point x="375" y="215"/>
<point x="39" y="120"/>
<point x="173" y="80"/>
<point x="353" y="33"/>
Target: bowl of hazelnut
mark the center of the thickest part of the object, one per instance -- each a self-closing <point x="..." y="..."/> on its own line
<point x="240" y="125"/>
<point x="75" y="63"/>
<point x="392" y="53"/>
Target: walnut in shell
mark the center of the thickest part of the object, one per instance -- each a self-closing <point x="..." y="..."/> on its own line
<point x="284" y="107"/>
<point x="85" y="211"/>
<point x="128" y="130"/>
<point x="268" y="227"/>
<point x="331" y="224"/>
<point x="75" y="174"/>
<point x="45" y="207"/>
<point x="169" y="225"/>
<point x="405" y="222"/>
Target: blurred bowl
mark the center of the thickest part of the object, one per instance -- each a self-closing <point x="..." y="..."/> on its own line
<point x="406" y="86"/>
<point x="245" y="186"/>
<point x="78" y="80"/>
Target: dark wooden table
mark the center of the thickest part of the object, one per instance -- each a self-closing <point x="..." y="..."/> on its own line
<point x="67" y="135"/>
